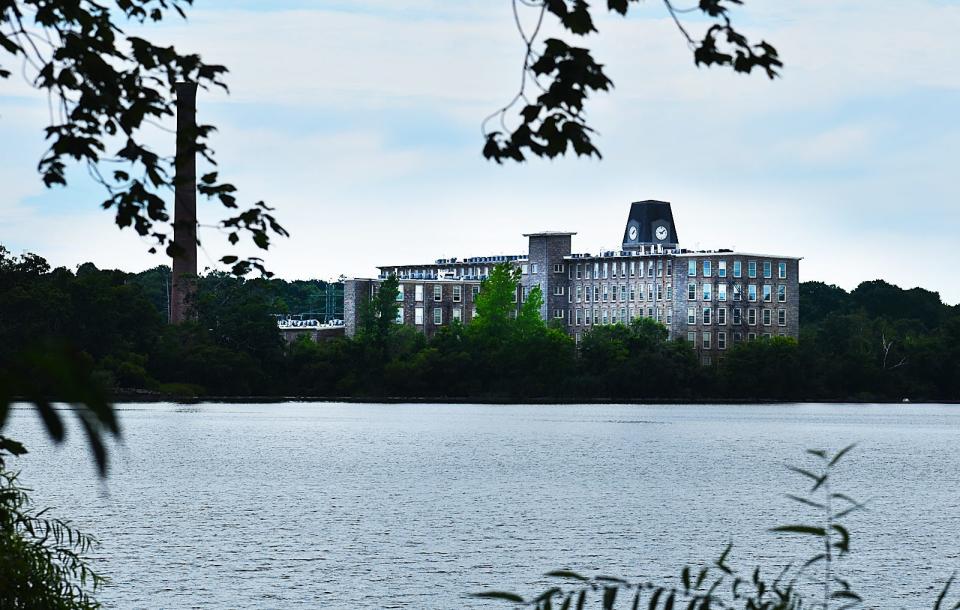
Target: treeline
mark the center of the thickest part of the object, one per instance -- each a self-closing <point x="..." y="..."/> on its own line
<point x="878" y="342"/>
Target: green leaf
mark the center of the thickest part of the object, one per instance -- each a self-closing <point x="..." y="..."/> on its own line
<point x="943" y="592"/>
<point x="800" y="529"/>
<point x="566" y="574"/>
<point x="510" y="597"/>
<point x="840" y="454"/>
<point x="609" y="597"/>
<point x="806" y="501"/>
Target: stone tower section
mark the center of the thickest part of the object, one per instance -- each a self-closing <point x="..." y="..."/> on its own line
<point x="184" y="251"/>
<point x="547" y="269"/>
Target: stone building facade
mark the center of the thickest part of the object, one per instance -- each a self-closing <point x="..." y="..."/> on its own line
<point x="713" y="299"/>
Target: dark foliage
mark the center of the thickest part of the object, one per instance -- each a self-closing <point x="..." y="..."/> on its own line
<point x="557" y="78"/>
<point x="111" y="326"/>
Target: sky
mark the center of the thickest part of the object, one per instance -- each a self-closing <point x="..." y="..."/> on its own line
<point x="360" y="121"/>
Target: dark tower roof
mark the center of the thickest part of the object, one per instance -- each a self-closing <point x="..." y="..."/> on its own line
<point x="650" y="223"/>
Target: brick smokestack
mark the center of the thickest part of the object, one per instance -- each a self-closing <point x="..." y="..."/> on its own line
<point x="184" y="289"/>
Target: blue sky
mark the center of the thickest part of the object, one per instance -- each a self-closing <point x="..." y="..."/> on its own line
<point x="360" y="122"/>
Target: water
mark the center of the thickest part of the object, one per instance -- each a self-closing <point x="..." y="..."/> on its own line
<point x="412" y="506"/>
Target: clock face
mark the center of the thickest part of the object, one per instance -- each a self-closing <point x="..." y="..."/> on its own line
<point x="632" y="233"/>
<point x="661" y="232"/>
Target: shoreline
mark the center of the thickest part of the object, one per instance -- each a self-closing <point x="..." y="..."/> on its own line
<point x="138" y="397"/>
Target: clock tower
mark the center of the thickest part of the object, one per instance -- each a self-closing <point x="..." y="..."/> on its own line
<point x="650" y="223"/>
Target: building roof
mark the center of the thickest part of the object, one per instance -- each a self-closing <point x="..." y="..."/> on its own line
<point x="550" y="234"/>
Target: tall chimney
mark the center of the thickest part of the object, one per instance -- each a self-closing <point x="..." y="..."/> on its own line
<point x="184" y="289"/>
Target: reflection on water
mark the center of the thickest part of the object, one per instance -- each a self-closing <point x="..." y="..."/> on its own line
<point x="412" y="506"/>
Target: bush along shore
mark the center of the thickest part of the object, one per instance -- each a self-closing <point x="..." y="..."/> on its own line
<point x="62" y="330"/>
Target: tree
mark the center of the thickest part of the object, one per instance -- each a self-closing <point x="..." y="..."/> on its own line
<point x="106" y="86"/>
<point x="555" y="120"/>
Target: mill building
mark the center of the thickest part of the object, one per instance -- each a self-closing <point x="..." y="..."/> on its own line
<point x="711" y="298"/>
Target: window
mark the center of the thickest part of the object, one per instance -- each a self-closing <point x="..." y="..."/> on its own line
<point x="721" y="340"/>
<point x="707" y="292"/>
<point x="751" y="336"/>
<point x="437" y="292"/>
<point x="534" y="268"/>
<point x="418" y="315"/>
<point x="722" y="316"/>
<point x="524" y="268"/>
<point x="579" y="272"/>
<point x="579" y="292"/>
<point x="633" y="292"/>
<point x="558" y="268"/>
<point x="767" y="269"/>
<point x="692" y="268"/>
<point x="752" y="269"/>
<point x="669" y="292"/>
<point x="721" y="271"/>
<point x="559" y="314"/>
<point x="659" y="314"/>
<point x="721" y="292"/>
<point x="692" y="338"/>
<point x="781" y="317"/>
<point x="586" y="317"/>
<point x="738" y="292"/>
<point x="737" y="269"/>
<point x="640" y="269"/>
<point x="752" y="317"/>
<point x="606" y="266"/>
<point x="558" y="290"/>
<point x="669" y="316"/>
<point x="457" y="294"/>
<point x="399" y="318"/>
<point x="767" y="317"/>
<point x="605" y="318"/>
<point x="579" y="316"/>
<point x="767" y="335"/>
<point x="457" y="314"/>
<point x="660" y="268"/>
<point x="782" y="271"/>
<point x="649" y="312"/>
<point x="707" y="315"/>
<point x="707" y="269"/>
<point x="623" y="268"/>
<point x="649" y="292"/>
<point x="781" y="293"/>
<point x="691" y="315"/>
<point x="476" y="291"/>
<point x="613" y="316"/>
<point x="437" y="315"/>
<point x="400" y="295"/>
<point x="596" y="293"/>
<point x="706" y="340"/>
<point x="669" y="268"/>
<point x="767" y="293"/>
<point x="596" y="271"/>
<point x="659" y="292"/>
<point x="649" y="268"/>
<point x="596" y="316"/>
<point x="691" y="291"/>
<point x="752" y="293"/>
<point x="633" y="268"/>
<point x="606" y="293"/>
<point x="737" y="316"/>
<point x="418" y="294"/>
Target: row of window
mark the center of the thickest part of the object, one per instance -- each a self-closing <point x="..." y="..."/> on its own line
<point x="706" y="267"/>
<point x="623" y="315"/>
<point x="438" y="293"/>
<point x="706" y="316"/>
<point x="615" y="269"/>
<point x="597" y="293"/>
<point x="706" y="339"/>
<point x="705" y="291"/>
<point x="456" y="314"/>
